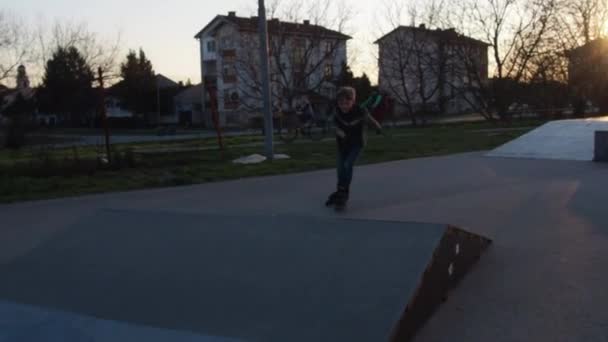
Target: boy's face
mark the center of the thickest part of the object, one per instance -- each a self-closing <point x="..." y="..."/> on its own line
<point x="346" y="104"/>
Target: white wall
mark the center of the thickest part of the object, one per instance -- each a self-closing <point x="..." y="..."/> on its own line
<point x="113" y="109"/>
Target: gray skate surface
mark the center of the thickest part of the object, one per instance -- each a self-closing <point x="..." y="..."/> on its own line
<point x="561" y="139"/>
<point x="250" y="278"/>
<point x="543" y="279"/>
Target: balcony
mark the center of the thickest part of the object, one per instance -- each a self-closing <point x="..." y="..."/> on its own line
<point x="229" y="78"/>
<point x="228" y="53"/>
<point x="210" y="68"/>
<point x="210" y="57"/>
<point x="231" y="105"/>
<point x="211" y="80"/>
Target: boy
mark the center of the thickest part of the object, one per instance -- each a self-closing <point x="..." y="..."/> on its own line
<point x="350" y="121"/>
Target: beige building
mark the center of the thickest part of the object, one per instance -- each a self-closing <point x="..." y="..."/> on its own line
<point x="303" y="57"/>
<point x="435" y="68"/>
<point x="588" y="72"/>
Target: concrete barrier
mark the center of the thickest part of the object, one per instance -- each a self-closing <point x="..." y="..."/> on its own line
<point x="600" y="146"/>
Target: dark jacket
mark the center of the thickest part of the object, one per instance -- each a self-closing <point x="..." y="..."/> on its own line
<point x="351" y="127"/>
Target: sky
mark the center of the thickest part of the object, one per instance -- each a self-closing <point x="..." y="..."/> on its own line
<point x="165" y="29"/>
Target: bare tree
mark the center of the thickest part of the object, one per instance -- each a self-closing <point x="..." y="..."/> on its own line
<point x="97" y="52"/>
<point x="574" y="23"/>
<point x="15" y="45"/>
<point x="583" y="20"/>
<point x="305" y="54"/>
<point x="413" y="60"/>
<point x="515" y="31"/>
<point x="579" y="26"/>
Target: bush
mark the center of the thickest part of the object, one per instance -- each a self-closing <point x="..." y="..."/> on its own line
<point x="15" y="135"/>
<point x="116" y="161"/>
<point x="129" y="157"/>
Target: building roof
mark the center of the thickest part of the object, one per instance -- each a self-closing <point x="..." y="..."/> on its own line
<point x="274" y="26"/>
<point x="191" y="94"/>
<point x="164" y="82"/>
<point x="10" y="95"/>
<point x="600" y="43"/>
<point x="447" y="34"/>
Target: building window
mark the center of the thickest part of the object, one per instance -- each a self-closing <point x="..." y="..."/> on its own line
<point x="329" y="72"/>
<point x="299" y="52"/>
<point x="228" y="66"/>
<point x="328" y="48"/>
<point x="231" y="99"/>
<point x="211" y="46"/>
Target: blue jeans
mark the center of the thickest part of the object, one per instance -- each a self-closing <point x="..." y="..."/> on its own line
<point x="346" y="163"/>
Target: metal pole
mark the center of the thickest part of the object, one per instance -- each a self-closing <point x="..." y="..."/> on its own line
<point x="264" y="67"/>
<point x="157" y="101"/>
<point x="104" y="117"/>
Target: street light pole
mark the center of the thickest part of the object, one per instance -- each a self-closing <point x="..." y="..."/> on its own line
<point x="264" y="67"/>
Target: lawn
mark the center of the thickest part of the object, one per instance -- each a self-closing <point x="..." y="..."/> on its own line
<point x="37" y="173"/>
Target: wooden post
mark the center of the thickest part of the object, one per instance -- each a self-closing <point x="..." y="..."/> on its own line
<point x="215" y="115"/>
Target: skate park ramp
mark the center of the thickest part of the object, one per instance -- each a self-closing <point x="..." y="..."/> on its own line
<point x="192" y="277"/>
<point x="561" y="139"/>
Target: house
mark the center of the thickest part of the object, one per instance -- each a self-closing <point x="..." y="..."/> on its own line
<point x="166" y="89"/>
<point x="163" y="95"/>
<point x="189" y="105"/>
<point x="23" y="89"/>
<point x="588" y="72"/>
<point x="432" y="70"/>
<point x="303" y="57"/>
<point x="115" y="108"/>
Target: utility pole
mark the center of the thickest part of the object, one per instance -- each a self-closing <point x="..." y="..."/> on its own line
<point x="104" y="117"/>
<point x="264" y="67"/>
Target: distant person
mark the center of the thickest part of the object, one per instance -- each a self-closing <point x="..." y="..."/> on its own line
<point x="304" y="111"/>
<point x="308" y="113"/>
<point x="351" y="124"/>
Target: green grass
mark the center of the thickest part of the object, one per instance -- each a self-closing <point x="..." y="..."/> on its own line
<point x="113" y="131"/>
<point x="24" y="176"/>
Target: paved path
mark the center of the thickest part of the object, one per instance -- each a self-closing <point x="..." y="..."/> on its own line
<point x="544" y="278"/>
<point x="98" y="139"/>
<point x="85" y="140"/>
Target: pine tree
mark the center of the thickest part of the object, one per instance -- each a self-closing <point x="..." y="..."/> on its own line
<point x="137" y="88"/>
<point x="67" y="86"/>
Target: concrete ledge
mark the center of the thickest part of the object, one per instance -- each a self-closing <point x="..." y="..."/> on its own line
<point x="600" y="146"/>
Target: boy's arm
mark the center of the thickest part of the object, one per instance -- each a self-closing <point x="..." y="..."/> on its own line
<point x="374" y="122"/>
<point x="369" y="118"/>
